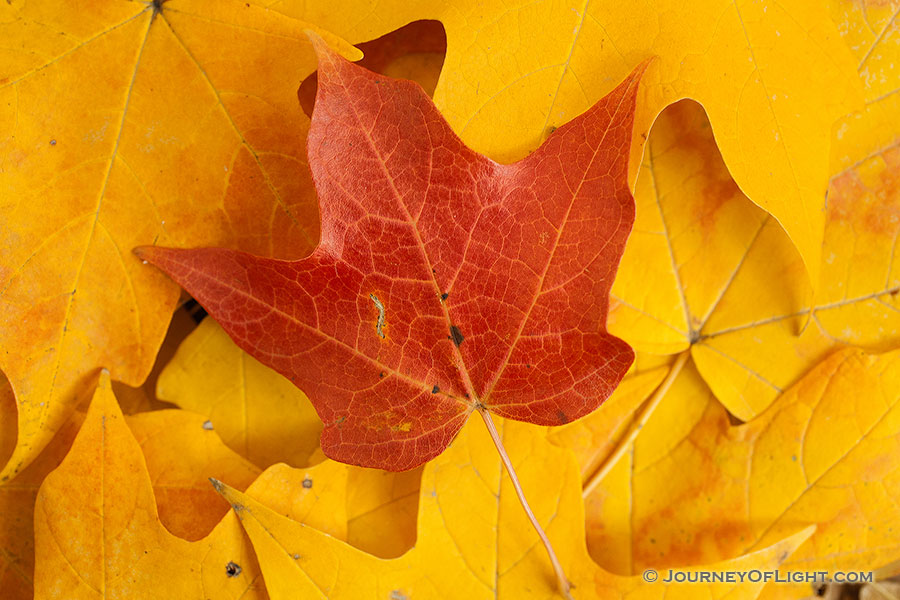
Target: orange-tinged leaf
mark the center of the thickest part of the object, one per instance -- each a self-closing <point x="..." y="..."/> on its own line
<point x="415" y="52"/>
<point x="265" y="418"/>
<point x="381" y="510"/>
<point x="772" y="77"/>
<point x="444" y="282"/>
<point x="595" y="437"/>
<point x="697" y="489"/>
<point x="725" y="273"/>
<point x="143" y="398"/>
<point x="97" y="534"/>
<point x="756" y="337"/>
<point x="17" y="513"/>
<point x="181" y="455"/>
<point x="139" y="123"/>
<point x="257" y="412"/>
<point x="871" y="30"/>
<point x="474" y="541"/>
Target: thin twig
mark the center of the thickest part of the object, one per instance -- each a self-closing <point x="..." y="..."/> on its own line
<point x="563" y="582"/>
<point x="607" y="465"/>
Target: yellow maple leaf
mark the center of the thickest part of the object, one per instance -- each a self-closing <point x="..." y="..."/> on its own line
<point x="725" y="274"/>
<point x="266" y="419"/>
<point x="773" y="78"/>
<point x="96" y="526"/>
<point x="474" y="539"/>
<point x="96" y="531"/>
<point x="871" y="30"/>
<point x="181" y="454"/>
<point x="17" y="514"/>
<point x="139" y="126"/>
<point x="694" y="488"/>
<point x="257" y="412"/>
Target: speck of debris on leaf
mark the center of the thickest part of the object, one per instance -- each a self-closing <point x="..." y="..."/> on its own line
<point x="296" y="557"/>
<point x="456" y="335"/>
<point x="435" y="390"/>
<point x="208" y="425"/>
<point x="307" y="482"/>
<point x="398" y="595"/>
<point x="444" y="296"/>
<point x="232" y="569"/>
<point x="52" y="142"/>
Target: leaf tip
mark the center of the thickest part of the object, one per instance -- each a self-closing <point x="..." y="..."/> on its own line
<point x="320" y="46"/>
<point x="233" y="497"/>
<point x="142" y="252"/>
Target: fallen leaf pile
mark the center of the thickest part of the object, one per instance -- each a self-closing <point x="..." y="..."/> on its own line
<point x="144" y="453"/>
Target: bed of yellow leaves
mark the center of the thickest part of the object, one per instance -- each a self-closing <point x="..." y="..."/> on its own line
<point x="759" y="428"/>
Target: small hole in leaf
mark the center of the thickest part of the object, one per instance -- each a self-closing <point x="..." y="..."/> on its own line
<point x="307" y="482"/>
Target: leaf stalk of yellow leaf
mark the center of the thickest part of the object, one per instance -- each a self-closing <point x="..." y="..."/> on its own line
<point x="642" y="418"/>
<point x="562" y="580"/>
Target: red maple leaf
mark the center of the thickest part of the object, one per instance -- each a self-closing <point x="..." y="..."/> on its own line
<point x="443" y="282"/>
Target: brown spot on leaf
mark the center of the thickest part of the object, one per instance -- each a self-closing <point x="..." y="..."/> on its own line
<point x="232" y="569"/>
<point x="456" y="335"/>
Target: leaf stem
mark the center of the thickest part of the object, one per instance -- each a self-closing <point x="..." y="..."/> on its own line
<point x="563" y="582"/>
<point x="636" y="427"/>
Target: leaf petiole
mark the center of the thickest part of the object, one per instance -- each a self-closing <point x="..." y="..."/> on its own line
<point x="636" y="427"/>
<point x="563" y="582"/>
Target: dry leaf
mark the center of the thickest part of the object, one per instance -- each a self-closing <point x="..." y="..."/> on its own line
<point x="474" y="540"/>
<point x="97" y="531"/>
<point x="696" y="489"/>
<point x="17" y="514"/>
<point x="443" y="282"/>
<point x="140" y="128"/>
<point x="594" y="439"/>
<point x="381" y="510"/>
<point x="415" y="52"/>
<point x="257" y="412"/>
<point x="265" y="418"/>
<point x="871" y="30"/>
<point x="773" y="77"/>
<point x="181" y="455"/>
<point x="725" y="274"/>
